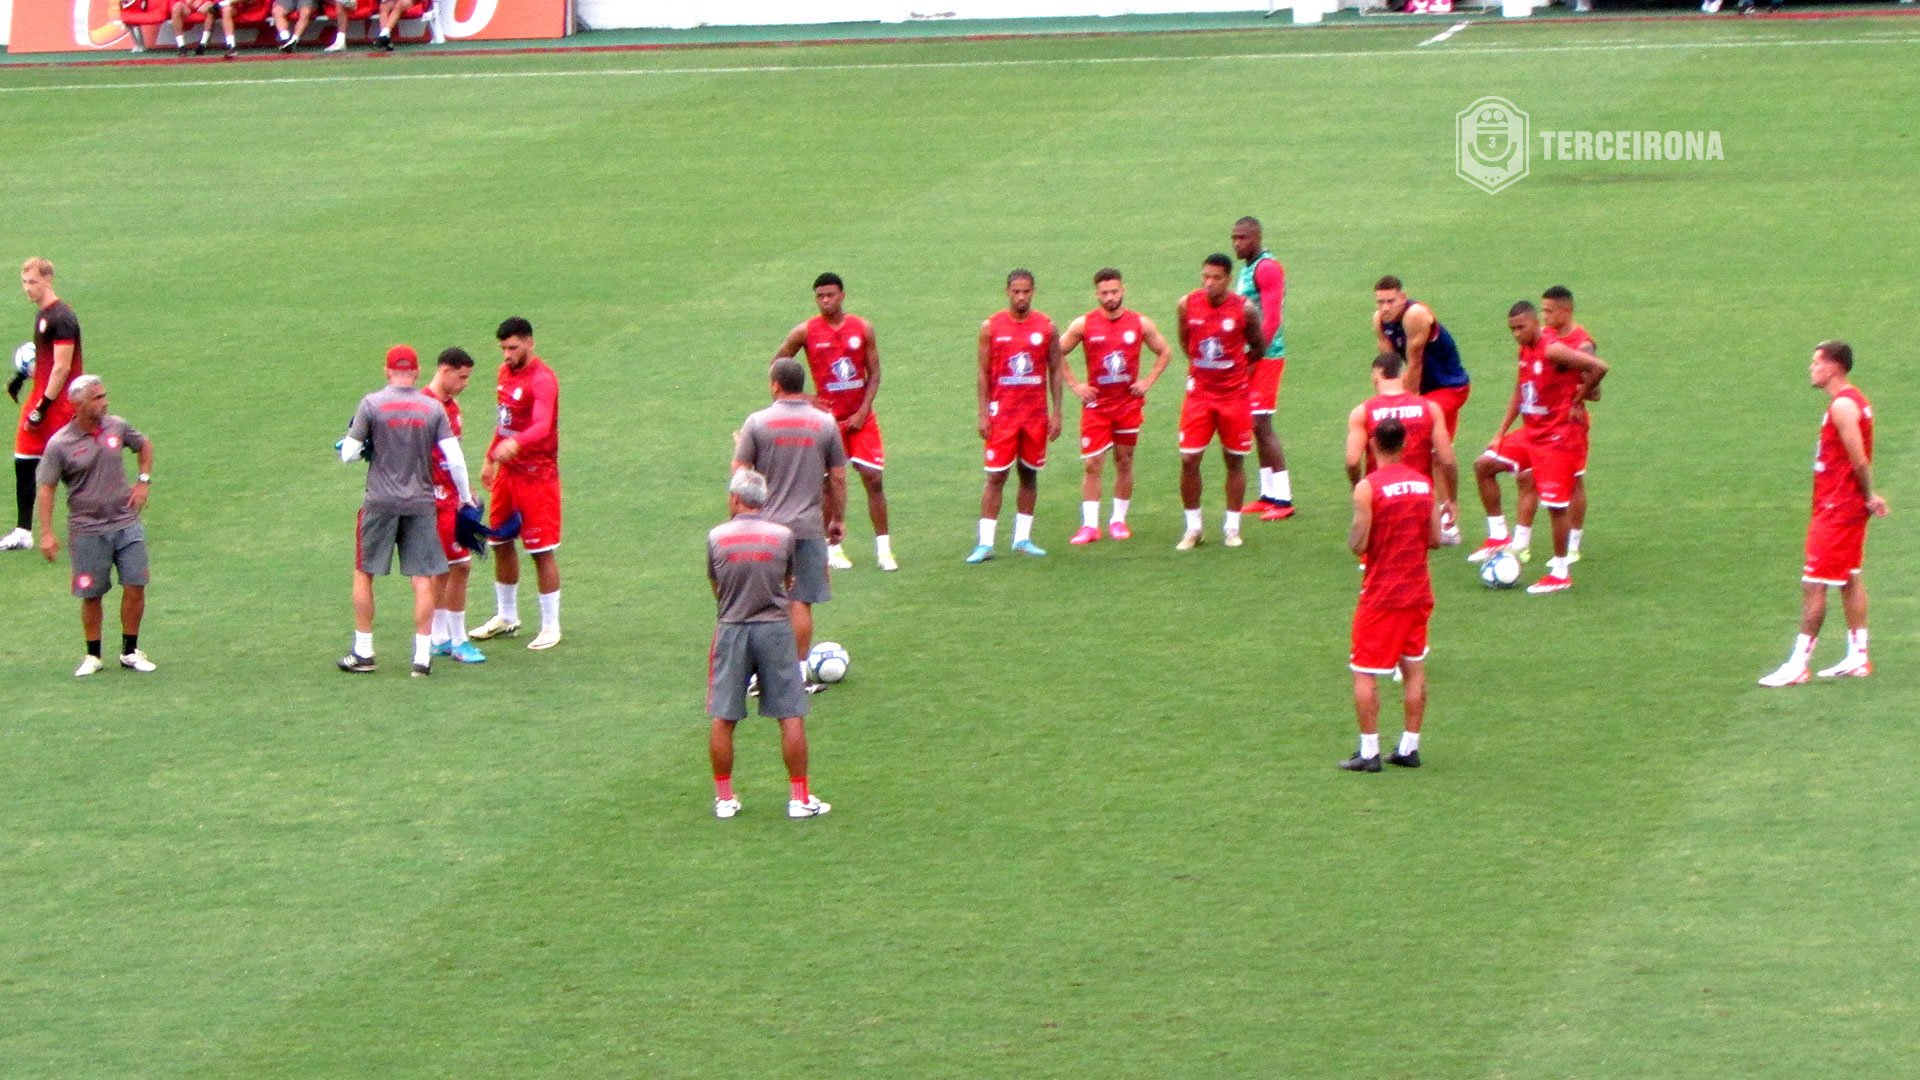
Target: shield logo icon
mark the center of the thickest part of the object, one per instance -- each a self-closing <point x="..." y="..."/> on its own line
<point x="1490" y="144"/>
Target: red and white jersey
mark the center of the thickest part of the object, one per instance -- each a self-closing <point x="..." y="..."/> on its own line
<point x="443" y="489"/>
<point x="837" y="356"/>
<point x="1411" y="411"/>
<point x="1017" y="359"/>
<point x="1835" y="489"/>
<point x="1112" y="346"/>
<point x="1397" y="542"/>
<point x="529" y="402"/>
<point x="1577" y="339"/>
<point x="1548" y="393"/>
<point x="1216" y="336"/>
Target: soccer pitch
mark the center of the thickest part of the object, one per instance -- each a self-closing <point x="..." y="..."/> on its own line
<point x="1086" y="818"/>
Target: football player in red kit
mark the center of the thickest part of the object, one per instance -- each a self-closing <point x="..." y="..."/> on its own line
<point x="1428" y="449"/>
<point x="1021" y="376"/>
<point x="1219" y="331"/>
<point x="1114" y="397"/>
<point x="522" y="473"/>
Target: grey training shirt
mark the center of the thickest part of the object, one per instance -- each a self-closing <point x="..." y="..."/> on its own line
<point x="95" y="471"/>
<point x="793" y="444"/>
<point x="750" y="557"/>
<point x="401" y="426"/>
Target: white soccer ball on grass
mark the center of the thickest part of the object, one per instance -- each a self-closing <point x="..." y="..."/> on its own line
<point x="1500" y="571"/>
<point x="827" y="662"/>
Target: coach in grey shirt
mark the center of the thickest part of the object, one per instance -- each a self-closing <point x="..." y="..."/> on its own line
<point x="797" y="448"/>
<point x="398" y="429"/>
<point x="103" y="517"/>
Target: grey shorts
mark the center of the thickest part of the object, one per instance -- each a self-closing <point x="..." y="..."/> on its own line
<point x="765" y="649"/>
<point x="296" y="5"/>
<point x="418" y="536"/>
<point x="96" y="558"/>
<point x="810" y="572"/>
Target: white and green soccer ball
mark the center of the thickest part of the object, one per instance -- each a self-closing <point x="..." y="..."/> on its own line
<point x="23" y="360"/>
<point x="827" y="662"/>
<point x="1500" y="571"/>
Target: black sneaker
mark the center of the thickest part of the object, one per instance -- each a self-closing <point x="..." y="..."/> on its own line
<point x="384" y="43"/>
<point x="355" y="663"/>
<point x="1356" y="763"/>
<point x="1408" y="760"/>
<point x="185" y="50"/>
<point x="816" y="687"/>
<point x="200" y="49"/>
<point x="287" y="45"/>
<point x="232" y="51"/>
<point x="421" y="671"/>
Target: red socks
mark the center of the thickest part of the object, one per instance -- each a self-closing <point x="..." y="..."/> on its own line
<point x="799" y="786"/>
<point x="723" y="786"/>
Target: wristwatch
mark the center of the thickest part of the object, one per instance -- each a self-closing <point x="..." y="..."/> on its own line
<point x="146" y="478"/>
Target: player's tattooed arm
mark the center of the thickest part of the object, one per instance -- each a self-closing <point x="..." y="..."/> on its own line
<point x="1180" y="328"/>
<point x="1846" y="420"/>
<point x="1256" y="334"/>
<point x="1070" y="341"/>
<point x="985" y="353"/>
<point x="1362" y="527"/>
<point x="1419" y="324"/>
<point x="1591" y="368"/>
<point x="1162" y="355"/>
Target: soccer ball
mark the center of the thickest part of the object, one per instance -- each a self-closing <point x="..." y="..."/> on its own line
<point x="827" y="662"/>
<point x="1500" y="571"/>
<point x="23" y="360"/>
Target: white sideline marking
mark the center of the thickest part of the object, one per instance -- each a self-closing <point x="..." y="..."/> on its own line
<point x="937" y="65"/>
<point x="1442" y="35"/>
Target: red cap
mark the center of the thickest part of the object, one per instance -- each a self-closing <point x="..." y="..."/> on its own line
<point x="402" y="358"/>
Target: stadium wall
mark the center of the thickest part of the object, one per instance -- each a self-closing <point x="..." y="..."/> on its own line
<point x="636" y="14"/>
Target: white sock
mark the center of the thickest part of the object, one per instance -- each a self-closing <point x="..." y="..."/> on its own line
<point x="1557" y="566"/>
<point x="1282" y="486"/>
<point x="1090" y="514"/>
<point x="883" y="546"/>
<point x="1496" y="528"/>
<point x="1193" y="521"/>
<point x="1857" y="642"/>
<point x="805" y="676"/>
<point x="1232" y="521"/>
<point x="1802" y="650"/>
<point x="457" y="627"/>
<point x="283" y="35"/>
<point x="1523" y="536"/>
<point x="506" y="601"/>
<point x="1573" y="541"/>
<point x="1266" y="482"/>
<point x="229" y="38"/>
<point x="423" y="648"/>
<point x="1409" y="742"/>
<point x="1370" y="745"/>
<point x="550" y="611"/>
<point x="362" y="643"/>
<point x="1120" y="510"/>
<point x="987" y="528"/>
<point x="837" y="551"/>
<point x="1022" y="528"/>
<point x="441" y="632"/>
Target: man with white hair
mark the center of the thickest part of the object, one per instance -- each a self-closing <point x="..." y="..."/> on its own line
<point x="751" y="566"/>
<point x="103" y="517"/>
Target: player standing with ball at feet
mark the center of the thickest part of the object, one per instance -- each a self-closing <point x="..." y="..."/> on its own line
<point x="750" y="565"/>
<point x="1843" y="502"/>
<point x="103" y="517"/>
<point x="522" y="474"/>
<point x="46" y="408"/>
<point x="796" y="447"/>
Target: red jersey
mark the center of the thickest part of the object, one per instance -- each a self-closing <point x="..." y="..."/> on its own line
<point x="443" y="489"/>
<point x="1836" y="491"/>
<point x="1017" y="358"/>
<point x="1579" y="340"/>
<point x="530" y="415"/>
<point x="1548" y="393"/>
<point x="837" y="356"/>
<point x="1411" y="411"/>
<point x="1112" y="346"/>
<point x="1217" y="344"/>
<point x="1397" y="543"/>
<point x="53" y="325"/>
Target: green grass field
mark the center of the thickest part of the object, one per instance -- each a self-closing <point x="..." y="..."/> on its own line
<point x="1086" y="823"/>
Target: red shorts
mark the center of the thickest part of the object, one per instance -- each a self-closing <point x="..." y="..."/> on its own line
<point x="538" y="501"/>
<point x="1201" y="416"/>
<point x="1450" y="399"/>
<point x="1263" y="384"/>
<point x="1582" y="435"/>
<point x="1836" y="546"/>
<point x="1106" y="424"/>
<point x="864" y="446"/>
<point x="1022" y="439"/>
<point x="1382" y="637"/>
<point x="32" y="441"/>
<point x="444" y="515"/>
<point x="1554" y="464"/>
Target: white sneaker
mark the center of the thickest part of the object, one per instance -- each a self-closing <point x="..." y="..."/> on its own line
<point x="886" y="562"/>
<point x="137" y="661"/>
<point x="1573" y="556"/>
<point x="339" y="44"/>
<point x="1188" y="542"/>
<point x="1856" y="665"/>
<point x="725" y="808"/>
<point x="1790" y="673"/>
<point x="547" y="638"/>
<point x="813" y="807"/>
<point x="1232" y="538"/>
<point x="837" y="558"/>
<point x="1449" y="537"/>
<point x="17" y="540"/>
<point x="497" y="627"/>
<point x="88" y="667"/>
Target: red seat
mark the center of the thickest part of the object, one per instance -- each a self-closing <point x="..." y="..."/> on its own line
<point x="145" y="12"/>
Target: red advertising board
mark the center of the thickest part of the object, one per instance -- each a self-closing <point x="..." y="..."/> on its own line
<point x="94" y="25"/>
